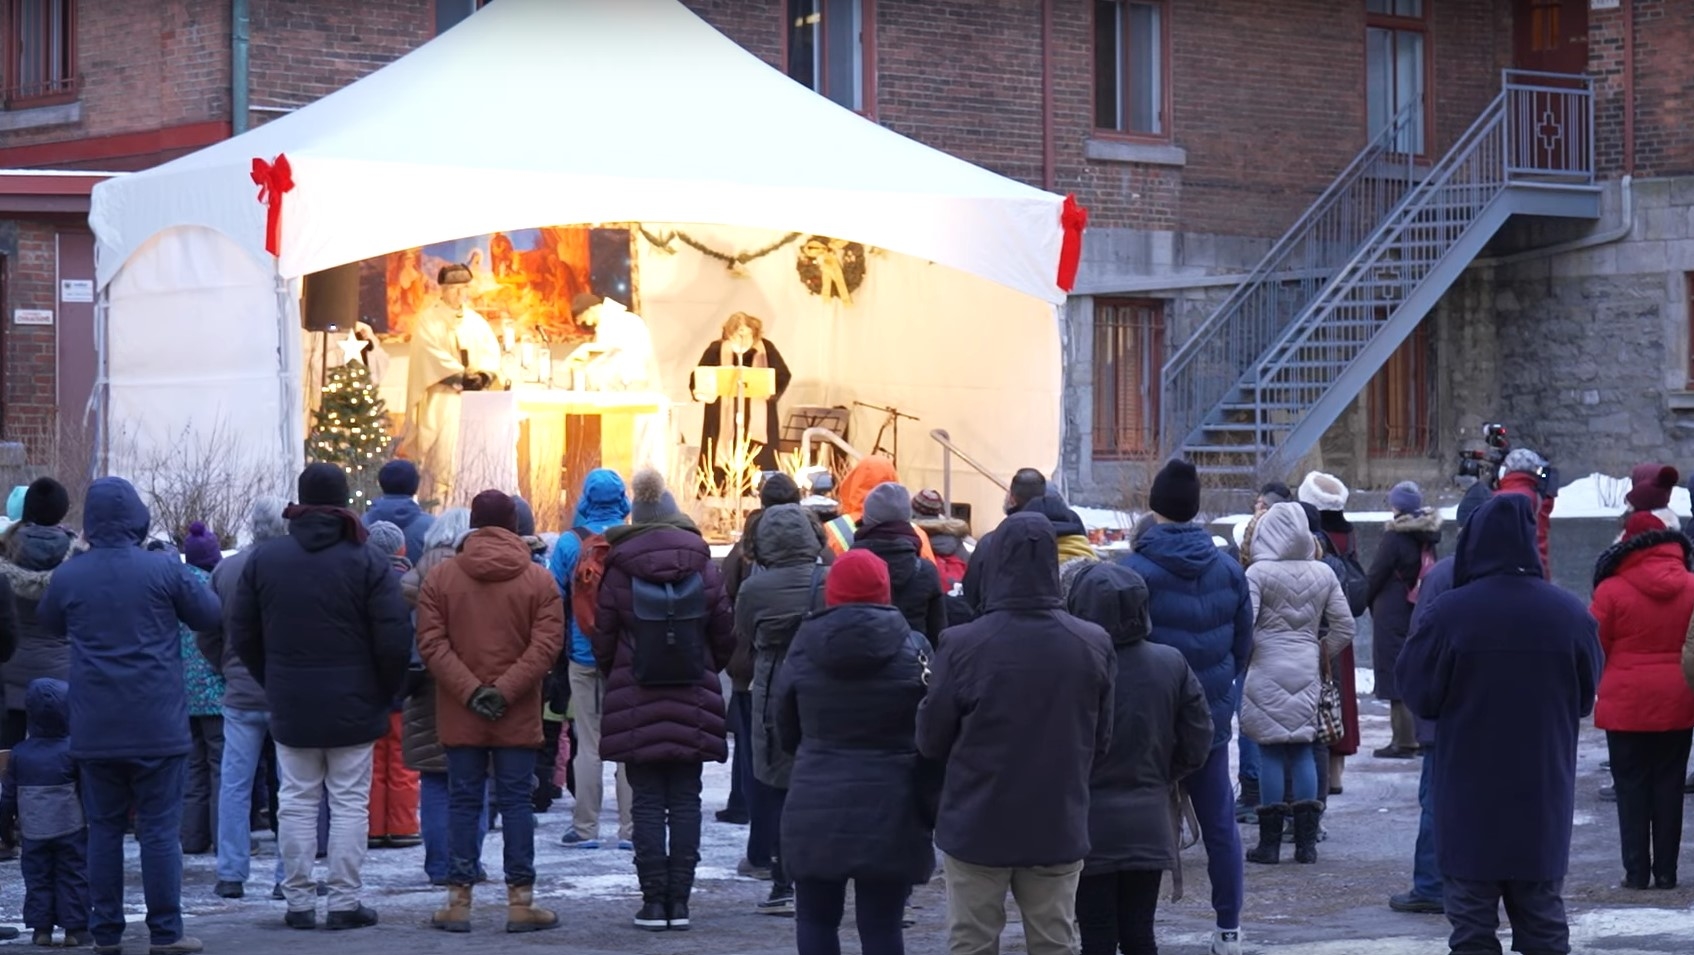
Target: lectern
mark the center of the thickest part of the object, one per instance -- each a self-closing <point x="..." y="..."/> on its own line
<point x="740" y="384"/>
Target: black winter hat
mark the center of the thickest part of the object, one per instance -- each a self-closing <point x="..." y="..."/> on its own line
<point x="398" y="476"/>
<point x="779" y="488"/>
<point x="323" y="485"/>
<point x="46" y="502"/>
<point x="1176" y="492"/>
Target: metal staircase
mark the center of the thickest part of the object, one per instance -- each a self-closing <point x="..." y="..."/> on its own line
<point x="1255" y="388"/>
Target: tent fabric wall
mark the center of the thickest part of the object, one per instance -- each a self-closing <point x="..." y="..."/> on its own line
<point x="192" y="352"/>
<point x="962" y="354"/>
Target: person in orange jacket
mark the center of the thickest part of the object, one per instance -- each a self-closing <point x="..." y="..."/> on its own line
<point x="855" y="487"/>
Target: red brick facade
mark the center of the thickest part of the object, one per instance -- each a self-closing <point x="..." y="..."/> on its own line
<point x="28" y="350"/>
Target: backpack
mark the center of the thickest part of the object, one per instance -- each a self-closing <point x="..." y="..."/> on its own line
<point x="1426" y="563"/>
<point x="669" y="631"/>
<point x="952" y="569"/>
<point x="585" y="578"/>
<point x="1355" y="585"/>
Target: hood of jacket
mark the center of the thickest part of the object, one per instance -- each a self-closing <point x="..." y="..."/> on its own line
<point x="113" y="515"/>
<point x="494" y="553"/>
<point x="675" y="522"/>
<point x="1020" y="565"/>
<point x="1283" y="533"/>
<point x="38" y="547"/>
<point x="1114" y="597"/>
<point x="1065" y="521"/>
<point x="397" y="509"/>
<point x="860" y="481"/>
<point x="857" y="640"/>
<point x="1656" y="563"/>
<point x="604" y="501"/>
<point x="661" y="553"/>
<point x="786" y="535"/>
<point x="1182" y="550"/>
<point x="47" y="703"/>
<point x="1499" y="541"/>
<point x="317" y="530"/>
<point x="1423" y="526"/>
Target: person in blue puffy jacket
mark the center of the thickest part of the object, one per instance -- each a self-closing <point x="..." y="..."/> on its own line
<point x="1200" y="606"/>
<point x="398" y="505"/>
<point x="121" y="606"/>
<point x="603" y="503"/>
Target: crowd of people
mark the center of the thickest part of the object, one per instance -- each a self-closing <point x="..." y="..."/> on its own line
<point x="1042" y="717"/>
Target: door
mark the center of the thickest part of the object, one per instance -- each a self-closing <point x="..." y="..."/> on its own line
<point x="1549" y="127"/>
<point x="78" y="362"/>
<point x="1550" y="36"/>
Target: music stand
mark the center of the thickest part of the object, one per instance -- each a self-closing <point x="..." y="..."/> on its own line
<point x="740" y="384"/>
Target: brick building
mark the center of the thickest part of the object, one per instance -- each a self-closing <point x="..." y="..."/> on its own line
<point x="1196" y="131"/>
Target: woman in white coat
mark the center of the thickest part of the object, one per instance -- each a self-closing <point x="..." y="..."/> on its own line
<point x="1295" y="596"/>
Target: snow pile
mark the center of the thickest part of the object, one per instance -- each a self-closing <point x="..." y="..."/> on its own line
<point x="1602" y="496"/>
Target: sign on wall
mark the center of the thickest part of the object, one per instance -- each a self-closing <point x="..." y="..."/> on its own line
<point x="76" y="290"/>
<point x="32" y="316"/>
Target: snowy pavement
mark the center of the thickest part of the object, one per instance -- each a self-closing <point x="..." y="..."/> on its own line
<point x="1336" y="907"/>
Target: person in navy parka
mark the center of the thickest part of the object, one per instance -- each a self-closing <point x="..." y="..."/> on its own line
<point x="40" y="795"/>
<point x="1200" y="605"/>
<point x="1508" y="665"/>
<point x="121" y="606"/>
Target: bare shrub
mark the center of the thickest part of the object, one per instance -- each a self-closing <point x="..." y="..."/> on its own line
<point x="209" y="475"/>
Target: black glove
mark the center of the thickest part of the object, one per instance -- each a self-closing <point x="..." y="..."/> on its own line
<point x="487" y="703"/>
<point x="477" y="380"/>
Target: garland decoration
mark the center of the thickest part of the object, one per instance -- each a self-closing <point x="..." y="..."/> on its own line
<point x="832" y="268"/>
<point x="736" y="263"/>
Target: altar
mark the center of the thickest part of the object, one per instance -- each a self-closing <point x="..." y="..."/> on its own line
<point x="543" y="441"/>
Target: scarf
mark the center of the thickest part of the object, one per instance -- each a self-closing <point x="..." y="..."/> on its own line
<point x="756" y="412"/>
<point x="352" y="528"/>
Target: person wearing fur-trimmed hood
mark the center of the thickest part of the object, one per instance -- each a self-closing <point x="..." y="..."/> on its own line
<point x="1408" y="544"/>
<point x="1329" y="495"/>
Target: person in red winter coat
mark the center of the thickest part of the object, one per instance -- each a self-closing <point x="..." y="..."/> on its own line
<point x="1522" y="474"/>
<point x="1643" y="599"/>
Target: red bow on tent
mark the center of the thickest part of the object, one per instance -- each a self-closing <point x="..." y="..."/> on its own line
<point x="273" y="179"/>
<point x="1074" y="219"/>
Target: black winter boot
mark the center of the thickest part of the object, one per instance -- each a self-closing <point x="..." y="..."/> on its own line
<point x="681" y="884"/>
<point x="1269" y="851"/>
<point x="1247" y="804"/>
<point x="655" y="887"/>
<point x="1306" y="816"/>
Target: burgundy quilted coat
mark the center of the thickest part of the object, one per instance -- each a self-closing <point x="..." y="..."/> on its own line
<point x="648" y="724"/>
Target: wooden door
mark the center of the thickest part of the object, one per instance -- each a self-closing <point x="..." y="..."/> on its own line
<point x="1550" y="36"/>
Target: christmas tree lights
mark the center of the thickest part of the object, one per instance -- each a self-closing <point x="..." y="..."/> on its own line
<point x="350" y="429"/>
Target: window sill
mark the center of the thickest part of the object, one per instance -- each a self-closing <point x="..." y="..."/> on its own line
<point x="1148" y="154"/>
<point x="1680" y="400"/>
<point x="38" y="117"/>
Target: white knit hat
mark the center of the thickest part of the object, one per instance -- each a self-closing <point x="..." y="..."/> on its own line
<point x="1326" y="492"/>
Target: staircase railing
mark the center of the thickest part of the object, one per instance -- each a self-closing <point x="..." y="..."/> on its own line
<point x="949" y="451"/>
<point x="1212" y="361"/>
<point x="1533" y="132"/>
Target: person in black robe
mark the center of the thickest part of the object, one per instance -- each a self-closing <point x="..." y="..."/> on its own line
<point x="743" y="345"/>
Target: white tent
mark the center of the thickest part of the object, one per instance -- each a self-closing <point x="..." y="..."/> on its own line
<point x="539" y="112"/>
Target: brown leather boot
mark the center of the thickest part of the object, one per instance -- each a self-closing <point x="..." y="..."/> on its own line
<point x="456" y="917"/>
<point x="521" y="913"/>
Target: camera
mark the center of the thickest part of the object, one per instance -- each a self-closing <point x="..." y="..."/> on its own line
<point x="1484" y="462"/>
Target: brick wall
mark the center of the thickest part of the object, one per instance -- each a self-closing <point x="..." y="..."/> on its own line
<point x="302" y="52"/>
<point x="27" y="351"/>
<point x="1664" y="77"/>
<point x="145" y="66"/>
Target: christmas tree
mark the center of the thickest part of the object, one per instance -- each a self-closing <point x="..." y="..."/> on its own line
<point x="350" y="429"/>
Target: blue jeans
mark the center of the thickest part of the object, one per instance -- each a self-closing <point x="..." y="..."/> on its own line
<point x="1249" y="750"/>
<point x="1214" y="805"/>
<point x="244" y="741"/>
<point x="1282" y="762"/>
<point x="1426" y="872"/>
<point x="467" y="783"/>
<point x="432" y="820"/>
<point x="154" y="787"/>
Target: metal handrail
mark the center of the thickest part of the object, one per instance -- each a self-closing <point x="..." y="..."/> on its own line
<point x="949" y="450"/>
<point x="806" y="442"/>
<point x="1197" y="377"/>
